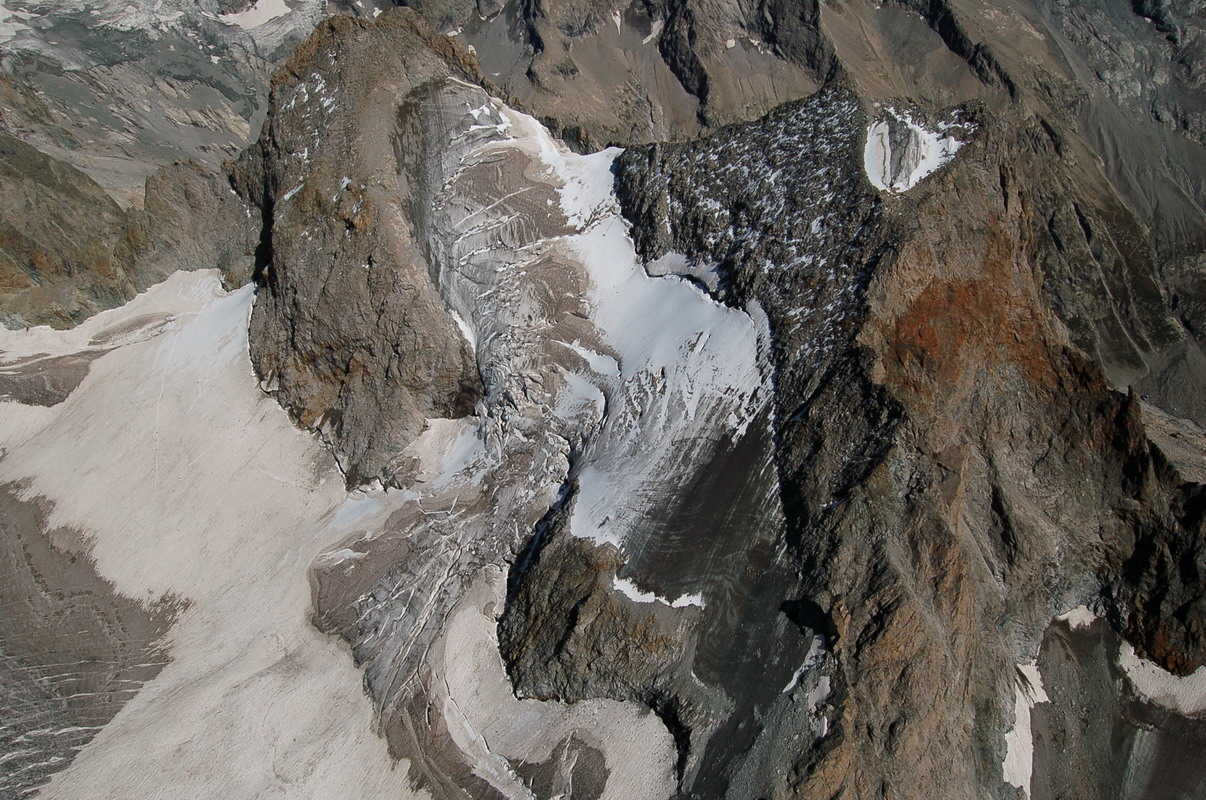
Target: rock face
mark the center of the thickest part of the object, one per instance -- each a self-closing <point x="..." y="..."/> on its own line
<point x="115" y="119"/>
<point x="925" y="523"/>
<point x="69" y="251"/>
<point x="891" y="496"/>
<point x="118" y="89"/>
<point x="350" y="334"/>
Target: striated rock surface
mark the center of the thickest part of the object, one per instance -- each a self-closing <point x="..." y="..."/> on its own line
<point x="68" y="250"/>
<point x="929" y="404"/>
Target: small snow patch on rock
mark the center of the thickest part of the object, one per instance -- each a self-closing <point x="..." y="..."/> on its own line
<point x="900" y="151"/>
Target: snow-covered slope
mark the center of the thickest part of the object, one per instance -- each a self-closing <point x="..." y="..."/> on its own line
<point x="187" y="482"/>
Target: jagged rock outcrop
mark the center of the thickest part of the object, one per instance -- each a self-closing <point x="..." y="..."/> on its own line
<point x="925" y="403"/>
<point x="118" y="89"/>
<point x="349" y="333"/>
<point x="68" y="250"/>
<point x="752" y="465"/>
<point x="928" y="410"/>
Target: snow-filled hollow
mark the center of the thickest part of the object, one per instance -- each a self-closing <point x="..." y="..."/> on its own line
<point x="1018" y="767"/>
<point x="900" y="152"/>
<point x="261" y="12"/>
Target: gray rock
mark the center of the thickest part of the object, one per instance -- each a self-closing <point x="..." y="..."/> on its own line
<point x="349" y="332"/>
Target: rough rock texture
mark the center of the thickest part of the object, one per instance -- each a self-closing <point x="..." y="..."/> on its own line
<point x="350" y="333"/>
<point x="61" y="234"/>
<point x="929" y="406"/>
<point x="771" y="486"/>
<point x="1112" y="80"/>
<point x="67" y="250"/>
<point x="1097" y="736"/>
<point x="118" y="89"/>
<point x="932" y="425"/>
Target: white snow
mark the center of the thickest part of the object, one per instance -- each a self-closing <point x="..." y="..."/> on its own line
<point x="633" y="592"/>
<point x="263" y="11"/>
<point x="924" y="153"/>
<point x="188" y="481"/>
<point x="1019" y="743"/>
<point x="445" y="450"/>
<point x="655" y="30"/>
<point x="1079" y="617"/>
<point x="466" y="331"/>
<point x="1184" y="694"/>
<point x="688" y="373"/>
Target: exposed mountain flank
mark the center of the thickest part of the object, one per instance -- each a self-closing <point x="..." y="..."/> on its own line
<point x="68" y="250"/>
<point x="834" y="433"/>
<point x="350" y="334"/>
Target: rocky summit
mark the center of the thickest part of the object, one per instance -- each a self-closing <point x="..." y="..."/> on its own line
<point x="558" y="399"/>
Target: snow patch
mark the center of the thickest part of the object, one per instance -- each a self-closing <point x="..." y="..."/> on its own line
<point x="812" y="659"/>
<point x="1019" y="742"/>
<point x="1184" y="694"/>
<point x="688" y="376"/>
<point x="655" y="30"/>
<point x="1079" y="617"/>
<point x="900" y="152"/>
<point x="261" y="12"/>
<point x="633" y="592"/>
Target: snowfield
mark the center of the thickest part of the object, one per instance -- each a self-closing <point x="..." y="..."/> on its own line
<point x="189" y="482"/>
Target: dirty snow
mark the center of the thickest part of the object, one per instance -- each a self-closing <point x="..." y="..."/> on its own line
<point x="633" y="592"/>
<point x="1184" y="694"/>
<point x="1079" y="617"/>
<point x="263" y="11"/>
<point x="189" y="481"/>
<point x="1019" y="742"/>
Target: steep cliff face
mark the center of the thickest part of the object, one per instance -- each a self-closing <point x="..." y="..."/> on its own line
<point x="934" y="430"/>
<point x="68" y="250"/>
<point x="350" y="334"/>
